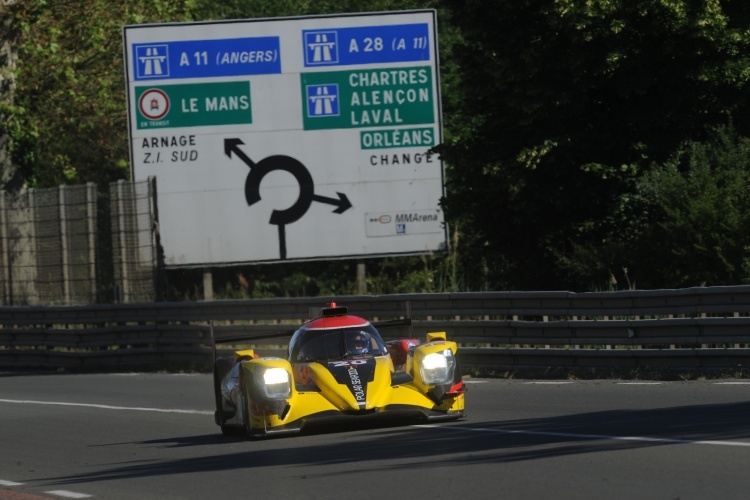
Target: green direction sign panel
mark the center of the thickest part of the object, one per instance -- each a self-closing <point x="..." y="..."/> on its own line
<point x="385" y="97"/>
<point x="397" y="138"/>
<point x="193" y="105"/>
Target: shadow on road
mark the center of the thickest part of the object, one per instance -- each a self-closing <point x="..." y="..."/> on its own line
<point x="460" y="444"/>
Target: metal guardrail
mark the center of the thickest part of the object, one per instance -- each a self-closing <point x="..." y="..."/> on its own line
<point x="694" y="329"/>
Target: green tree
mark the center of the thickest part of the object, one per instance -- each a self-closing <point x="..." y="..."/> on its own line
<point x="9" y="177"/>
<point x="247" y="9"/>
<point x="68" y="122"/>
<point x="700" y="215"/>
<point x="565" y="105"/>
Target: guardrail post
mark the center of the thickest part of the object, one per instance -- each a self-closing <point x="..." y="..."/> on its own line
<point x="208" y="285"/>
<point x="64" y="253"/>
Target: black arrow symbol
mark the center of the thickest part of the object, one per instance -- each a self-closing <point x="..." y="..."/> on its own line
<point x="288" y="164"/>
<point x="341" y="203"/>
<point x="259" y="170"/>
<point x="233" y="146"/>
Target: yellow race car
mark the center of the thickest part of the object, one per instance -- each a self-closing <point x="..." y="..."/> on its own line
<point x="338" y="368"/>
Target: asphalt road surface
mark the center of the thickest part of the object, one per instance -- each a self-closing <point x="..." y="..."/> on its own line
<point x="152" y="436"/>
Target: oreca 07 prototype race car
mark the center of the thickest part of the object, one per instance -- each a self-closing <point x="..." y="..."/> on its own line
<point x="338" y="368"/>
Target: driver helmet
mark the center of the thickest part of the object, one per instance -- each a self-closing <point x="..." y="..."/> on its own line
<point x="358" y="343"/>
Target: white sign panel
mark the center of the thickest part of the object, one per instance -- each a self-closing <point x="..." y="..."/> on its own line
<point x="290" y="138"/>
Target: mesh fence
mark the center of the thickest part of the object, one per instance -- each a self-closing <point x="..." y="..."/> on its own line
<point x="78" y="245"/>
<point x="133" y="241"/>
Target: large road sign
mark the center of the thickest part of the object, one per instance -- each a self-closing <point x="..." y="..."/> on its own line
<point x="291" y="138"/>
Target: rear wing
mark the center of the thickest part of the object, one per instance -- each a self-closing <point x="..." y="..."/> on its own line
<point x="331" y="309"/>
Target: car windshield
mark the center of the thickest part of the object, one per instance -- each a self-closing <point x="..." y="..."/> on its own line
<point x="337" y="344"/>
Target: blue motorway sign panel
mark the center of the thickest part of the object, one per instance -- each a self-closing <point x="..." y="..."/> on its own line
<point x="366" y="45"/>
<point x="206" y="58"/>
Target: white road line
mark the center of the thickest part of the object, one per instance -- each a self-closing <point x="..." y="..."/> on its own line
<point x="105" y="407"/>
<point x="9" y="483"/>
<point x="551" y="382"/>
<point x="731" y="383"/>
<point x="60" y="493"/>
<point x="67" y="494"/>
<point x="588" y="436"/>
<point x="640" y="383"/>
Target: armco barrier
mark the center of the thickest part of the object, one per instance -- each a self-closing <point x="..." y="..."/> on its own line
<point x="694" y="329"/>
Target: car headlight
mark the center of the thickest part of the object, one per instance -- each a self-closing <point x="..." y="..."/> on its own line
<point x="437" y="367"/>
<point x="275" y="383"/>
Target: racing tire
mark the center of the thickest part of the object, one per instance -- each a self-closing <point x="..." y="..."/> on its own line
<point x="229" y="430"/>
<point x="217" y="389"/>
<point x="221" y="367"/>
<point x="244" y="410"/>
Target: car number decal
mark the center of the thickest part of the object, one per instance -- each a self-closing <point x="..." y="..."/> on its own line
<point x="345" y="364"/>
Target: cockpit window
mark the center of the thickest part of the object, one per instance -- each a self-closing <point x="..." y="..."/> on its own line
<point x="336" y="344"/>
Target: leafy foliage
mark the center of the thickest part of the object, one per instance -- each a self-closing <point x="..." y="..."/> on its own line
<point x="701" y="208"/>
<point x="685" y="223"/>
<point x="69" y="122"/>
<point x="566" y="104"/>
